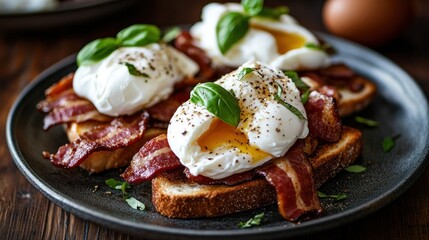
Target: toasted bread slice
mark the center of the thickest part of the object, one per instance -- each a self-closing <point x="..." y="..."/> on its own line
<point x="105" y="160"/>
<point x="352" y="102"/>
<point x="348" y="101"/>
<point x="175" y="197"/>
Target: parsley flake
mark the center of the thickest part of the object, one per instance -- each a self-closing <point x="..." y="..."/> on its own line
<point x="256" y="220"/>
<point x="355" y="168"/>
<point x="336" y="197"/>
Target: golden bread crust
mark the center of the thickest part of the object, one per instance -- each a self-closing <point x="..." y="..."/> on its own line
<point x="178" y="198"/>
<point x="105" y="160"/>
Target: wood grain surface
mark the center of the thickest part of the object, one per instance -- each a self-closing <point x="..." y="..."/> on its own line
<point x="26" y="214"/>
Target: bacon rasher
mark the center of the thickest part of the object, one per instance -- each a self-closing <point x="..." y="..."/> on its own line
<point x="62" y="105"/>
<point x="292" y="178"/>
<point x="323" y="119"/>
<point x="119" y="133"/>
<point x="154" y="157"/>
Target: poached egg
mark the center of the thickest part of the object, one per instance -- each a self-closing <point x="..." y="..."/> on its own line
<point x="280" y="43"/>
<point x="133" y="78"/>
<point x="267" y="129"/>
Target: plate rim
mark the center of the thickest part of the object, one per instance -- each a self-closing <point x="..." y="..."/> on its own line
<point x="313" y="226"/>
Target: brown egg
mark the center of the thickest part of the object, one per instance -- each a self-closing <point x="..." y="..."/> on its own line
<point x="370" y="22"/>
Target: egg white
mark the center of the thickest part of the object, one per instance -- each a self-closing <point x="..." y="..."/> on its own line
<point x="109" y="85"/>
<point x="268" y="125"/>
<point x="257" y="44"/>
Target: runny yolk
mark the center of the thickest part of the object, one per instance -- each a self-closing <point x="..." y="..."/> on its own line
<point x="222" y="134"/>
<point x="285" y="41"/>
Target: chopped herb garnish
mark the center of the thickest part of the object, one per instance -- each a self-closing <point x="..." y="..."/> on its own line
<point x="134" y="203"/>
<point x="291" y="108"/>
<point x="336" y="197"/>
<point x="302" y="87"/>
<point x="171" y="34"/>
<point x="273" y="13"/>
<point x="297" y="80"/>
<point x="366" y="121"/>
<point x="123" y="186"/>
<point x="314" y="46"/>
<point x="305" y="96"/>
<point x="256" y="220"/>
<point x="134" y="71"/>
<point x="244" y="72"/>
<point x="115" y="184"/>
<point x="389" y="143"/>
<point x="355" y="168"/>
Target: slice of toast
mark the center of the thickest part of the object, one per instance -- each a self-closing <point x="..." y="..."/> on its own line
<point x="175" y="197"/>
<point x="105" y="160"/>
<point x="348" y="101"/>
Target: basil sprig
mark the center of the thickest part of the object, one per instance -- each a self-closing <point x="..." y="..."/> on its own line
<point x="96" y="51"/>
<point x="302" y="87"/>
<point x="355" y="168"/>
<point x="218" y="101"/>
<point x="132" y="36"/>
<point x="233" y="26"/>
<point x="230" y="29"/>
<point x="134" y="71"/>
<point x="244" y="72"/>
<point x="273" y="13"/>
<point x="254" y="221"/>
<point x="139" y="35"/>
<point x="123" y="186"/>
<point x="336" y="197"/>
<point x="291" y="108"/>
<point x="252" y="7"/>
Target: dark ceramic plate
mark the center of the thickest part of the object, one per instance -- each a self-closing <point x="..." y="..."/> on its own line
<point x="64" y="15"/>
<point x="400" y="107"/>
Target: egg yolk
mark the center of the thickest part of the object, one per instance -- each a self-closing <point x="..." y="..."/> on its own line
<point x="285" y="41"/>
<point x="222" y="134"/>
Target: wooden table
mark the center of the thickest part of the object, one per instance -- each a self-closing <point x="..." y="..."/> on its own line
<point x="26" y="214"/>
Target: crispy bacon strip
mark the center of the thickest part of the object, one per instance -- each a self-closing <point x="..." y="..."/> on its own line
<point x="153" y="158"/>
<point x="164" y="110"/>
<point x="184" y="43"/>
<point x="292" y="178"/>
<point x="323" y="118"/>
<point x="121" y="132"/>
<point x="63" y="105"/>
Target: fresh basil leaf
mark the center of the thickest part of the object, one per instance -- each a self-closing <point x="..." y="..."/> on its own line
<point x="274" y="13"/>
<point x="297" y="80"/>
<point x="244" y="72"/>
<point x="218" y="101"/>
<point x="355" y="168"/>
<point x="139" y="35"/>
<point x="113" y="183"/>
<point x="230" y="29"/>
<point x="336" y="197"/>
<point x="291" y="108"/>
<point x="305" y="96"/>
<point x="134" y="71"/>
<point x="340" y="197"/>
<point x="314" y="46"/>
<point x="96" y="50"/>
<point x="256" y="220"/>
<point x="389" y="143"/>
<point x="366" y="121"/>
<point x="134" y="203"/>
<point x="171" y="34"/>
<point x="252" y="7"/>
